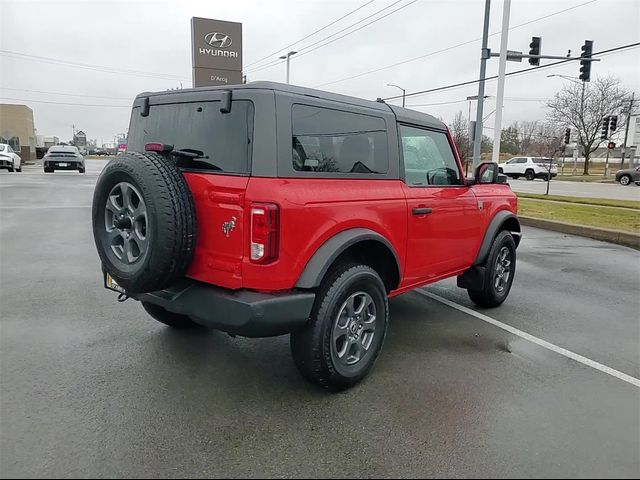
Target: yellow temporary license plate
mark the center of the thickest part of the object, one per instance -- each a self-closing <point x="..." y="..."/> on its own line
<point x="111" y="284"/>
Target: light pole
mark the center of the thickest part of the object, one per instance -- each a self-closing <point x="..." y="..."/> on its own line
<point x="397" y="86"/>
<point x="287" y="57"/>
<point x="472" y="132"/>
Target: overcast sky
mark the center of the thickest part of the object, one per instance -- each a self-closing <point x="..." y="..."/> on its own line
<point x="145" y="46"/>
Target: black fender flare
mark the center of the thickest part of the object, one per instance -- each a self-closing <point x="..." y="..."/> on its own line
<point x="319" y="263"/>
<point x="496" y="225"/>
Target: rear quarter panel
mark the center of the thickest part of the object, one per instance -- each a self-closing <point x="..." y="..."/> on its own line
<point x="314" y="210"/>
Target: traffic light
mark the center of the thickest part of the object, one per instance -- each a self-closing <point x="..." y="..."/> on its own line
<point x="534" y="49"/>
<point x="567" y="136"/>
<point x="613" y="124"/>
<point x="585" y="65"/>
<point x="605" y="128"/>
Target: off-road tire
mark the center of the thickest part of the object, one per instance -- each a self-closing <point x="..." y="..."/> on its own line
<point x="311" y="345"/>
<point x="489" y="296"/>
<point x="170" y="221"/>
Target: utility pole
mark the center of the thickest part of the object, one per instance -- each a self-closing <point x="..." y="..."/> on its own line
<point x="626" y="131"/>
<point x="486" y="54"/>
<point x="497" y="132"/>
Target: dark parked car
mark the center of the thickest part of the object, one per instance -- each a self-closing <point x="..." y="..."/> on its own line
<point x="625" y="177"/>
<point x="63" y="157"/>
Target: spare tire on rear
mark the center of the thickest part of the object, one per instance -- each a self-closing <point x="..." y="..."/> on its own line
<point x="144" y="221"/>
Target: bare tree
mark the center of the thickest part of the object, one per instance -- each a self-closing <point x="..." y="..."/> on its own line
<point x="460" y="134"/>
<point x="529" y="131"/>
<point x="548" y="143"/>
<point x="585" y="110"/>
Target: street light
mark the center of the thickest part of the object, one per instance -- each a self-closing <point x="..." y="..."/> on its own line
<point x="397" y="86"/>
<point x="287" y="57"/>
<point x="567" y="77"/>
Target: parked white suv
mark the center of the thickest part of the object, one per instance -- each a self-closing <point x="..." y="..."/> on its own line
<point x="529" y="168"/>
<point x="9" y="159"/>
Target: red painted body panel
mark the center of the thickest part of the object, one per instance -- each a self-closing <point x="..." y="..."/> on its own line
<point x="314" y="210"/>
<point x="218" y="199"/>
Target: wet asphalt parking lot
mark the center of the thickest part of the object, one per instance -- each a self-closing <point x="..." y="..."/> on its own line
<point x="92" y="387"/>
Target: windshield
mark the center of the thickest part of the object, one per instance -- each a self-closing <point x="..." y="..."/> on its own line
<point x="2" y="148"/>
<point x="223" y="138"/>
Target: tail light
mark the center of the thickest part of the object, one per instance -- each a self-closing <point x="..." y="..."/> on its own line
<point x="264" y="232"/>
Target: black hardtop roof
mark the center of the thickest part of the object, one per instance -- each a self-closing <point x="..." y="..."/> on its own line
<point x="402" y="114"/>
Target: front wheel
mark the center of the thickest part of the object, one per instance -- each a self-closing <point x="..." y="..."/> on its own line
<point x="500" y="270"/>
<point x="625" y="180"/>
<point x="344" y="335"/>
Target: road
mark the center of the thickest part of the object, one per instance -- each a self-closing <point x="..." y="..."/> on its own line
<point x="613" y="191"/>
<point x="94" y="388"/>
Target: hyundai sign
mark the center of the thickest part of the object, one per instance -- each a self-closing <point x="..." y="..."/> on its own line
<point x="216" y="49"/>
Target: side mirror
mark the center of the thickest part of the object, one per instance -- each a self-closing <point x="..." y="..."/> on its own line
<point x="487" y="172"/>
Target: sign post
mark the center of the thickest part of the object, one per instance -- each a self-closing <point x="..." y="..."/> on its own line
<point x="216" y="52"/>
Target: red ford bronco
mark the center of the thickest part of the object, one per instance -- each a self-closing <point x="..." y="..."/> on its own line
<point x="266" y="209"/>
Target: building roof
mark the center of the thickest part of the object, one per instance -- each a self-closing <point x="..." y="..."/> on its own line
<point x="402" y="114"/>
<point x="80" y="133"/>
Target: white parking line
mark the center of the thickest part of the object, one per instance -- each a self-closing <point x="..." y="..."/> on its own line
<point x="543" y="343"/>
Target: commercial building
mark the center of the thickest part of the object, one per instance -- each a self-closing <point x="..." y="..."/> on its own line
<point x="17" y="129"/>
<point x="46" y="142"/>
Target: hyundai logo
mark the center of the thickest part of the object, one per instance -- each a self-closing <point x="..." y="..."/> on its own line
<point x="218" y="40"/>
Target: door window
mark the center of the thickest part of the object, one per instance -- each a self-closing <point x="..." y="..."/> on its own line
<point x="428" y="158"/>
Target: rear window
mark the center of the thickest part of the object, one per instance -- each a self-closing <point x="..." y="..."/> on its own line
<point x="63" y="150"/>
<point x="326" y="140"/>
<point x="223" y="138"/>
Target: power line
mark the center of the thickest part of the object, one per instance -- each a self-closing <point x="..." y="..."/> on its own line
<point x="305" y="50"/>
<point x="516" y="72"/>
<point x="65" y="94"/>
<point x="311" y="34"/>
<point x="63" y="103"/>
<point x="89" y="66"/>
<point x="359" y="28"/>
<point x="468" y="42"/>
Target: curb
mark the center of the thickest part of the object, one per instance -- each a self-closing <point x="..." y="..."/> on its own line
<point x="627" y="239"/>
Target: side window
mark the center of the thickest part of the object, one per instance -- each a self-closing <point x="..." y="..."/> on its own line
<point x="326" y="140"/>
<point x="428" y="158"/>
<point x="523" y="160"/>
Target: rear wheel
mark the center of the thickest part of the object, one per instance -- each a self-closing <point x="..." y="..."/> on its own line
<point x="529" y="175"/>
<point x="500" y="270"/>
<point x="11" y="168"/>
<point x="81" y="169"/>
<point x="344" y="335"/>
<point x="171" y="319"/>
<point x="48" y="170"/>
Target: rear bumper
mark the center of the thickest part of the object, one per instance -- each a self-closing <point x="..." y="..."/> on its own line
<point x="242" y="312"/>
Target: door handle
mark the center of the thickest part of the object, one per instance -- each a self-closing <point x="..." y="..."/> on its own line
<point x="421" y="211"/>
